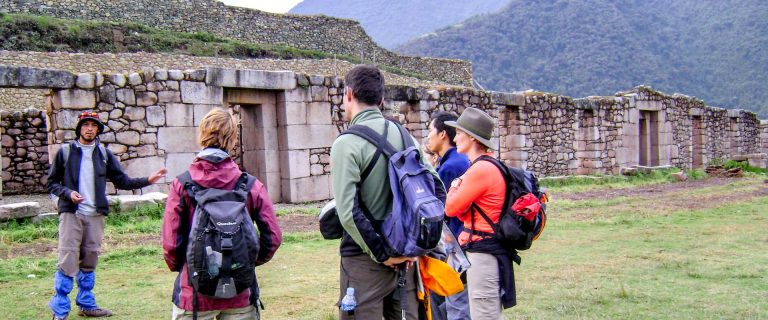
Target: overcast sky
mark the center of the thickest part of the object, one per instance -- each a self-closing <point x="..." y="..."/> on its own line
<point x="277" y="6"/>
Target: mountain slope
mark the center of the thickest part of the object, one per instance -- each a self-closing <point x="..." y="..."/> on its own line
<point x="393" y="22"/>
<point x="715" y="50"/>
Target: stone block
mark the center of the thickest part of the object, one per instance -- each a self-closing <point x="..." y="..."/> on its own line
<point x="177" y="139"/>
<point x="257" y="79"/>
<point x="516" y="141"/>
<point x="146" y="98"/>
<point x="76" y="99"/>
<point x="198" y="92"/>
<point x="307" y="136"/>
<point x="67" y="119"/>
<point x="168" y="96"/>
<point x="40" y="218"/>
<point x="117" y="79"/>
<point x="130" y="138"/>
<point x="142" y="167"/>
<point x="265" y="160"/>
<point x="161" y="74"/>
<point x="272" y="182"/>
<point x="126" y="96"/>
<point x="85" y="81"/>
<point x="128" y="202"/>
<point x="19" y="210"/>
<point x="135" y="113"/>
<point x="135" y="79"/>
<point x="175" y="75"/>
<point x="35" y="78"/>
<point x="116" y="148"/>
<point x="177" y="163"/>
<point x="319" y="93"/>
<point x="291" y="113"/>
<point x="296" y="95"/>
<point x="296" y="164"/>
<point x="155" y="116"/>
<point x="319" y="113"/>
<point x="179" y="115"/>
<point x="315" y="188"/>
<point x="200" y="110"/>
<point x="250" y="97"/>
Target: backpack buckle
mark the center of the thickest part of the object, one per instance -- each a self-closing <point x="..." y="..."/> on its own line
<point x="226" y="243"/>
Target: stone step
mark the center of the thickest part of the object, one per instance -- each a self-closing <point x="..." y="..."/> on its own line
<point x="45" y="216"/>
<point x="131" y="201"/>
<point x="19" y="210"/>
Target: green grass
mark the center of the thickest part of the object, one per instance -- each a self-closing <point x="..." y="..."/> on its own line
<point x="582" y="183"/>
<point x="730" y="164"/>
<point x="144" y="220"/>
<point x="616" y="258"/>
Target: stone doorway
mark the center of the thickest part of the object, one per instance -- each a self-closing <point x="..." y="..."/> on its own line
<point x="258" y="145"/>
<point x="698" y="143"/>
<point x="648" y="124"/>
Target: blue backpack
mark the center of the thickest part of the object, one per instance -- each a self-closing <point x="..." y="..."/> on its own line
<point x="414" y="226"/>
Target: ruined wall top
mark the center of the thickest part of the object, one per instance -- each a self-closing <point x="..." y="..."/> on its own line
<point x="321" y="33"/>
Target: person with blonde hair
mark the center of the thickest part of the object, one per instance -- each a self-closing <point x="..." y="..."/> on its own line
<point x="214" y="168"/>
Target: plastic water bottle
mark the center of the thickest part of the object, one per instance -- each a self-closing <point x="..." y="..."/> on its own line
<point x="348" y="303"/>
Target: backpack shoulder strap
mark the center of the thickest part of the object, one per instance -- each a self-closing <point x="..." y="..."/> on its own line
<point x="378" y="140"/>
<point x="190" y="185"/>
<point x="405" y="135"/>
<point x="245" y="182"/>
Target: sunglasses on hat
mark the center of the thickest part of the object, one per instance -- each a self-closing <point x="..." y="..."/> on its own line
<point x="88" y="115"/>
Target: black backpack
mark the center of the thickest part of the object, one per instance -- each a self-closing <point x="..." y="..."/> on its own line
<point x="223" y="243"/>
<point x="513" y="230"/>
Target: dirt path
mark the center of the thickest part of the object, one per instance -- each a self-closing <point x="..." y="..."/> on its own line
<point x="606" y="194"/>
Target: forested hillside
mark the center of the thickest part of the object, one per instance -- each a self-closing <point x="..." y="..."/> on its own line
<point x="393" y="22"/>
<point x="714" y="50"/>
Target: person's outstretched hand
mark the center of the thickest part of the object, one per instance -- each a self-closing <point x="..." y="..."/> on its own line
<point x="157" y="175"/>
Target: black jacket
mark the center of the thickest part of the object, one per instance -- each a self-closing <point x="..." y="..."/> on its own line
<point x="63" y="178"/>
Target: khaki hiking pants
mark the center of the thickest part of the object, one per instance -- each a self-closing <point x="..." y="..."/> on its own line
<point x="247" y="313"/>
<point x="483" y="285"/>
<point x="79" y="242"/>
<point x="376" y="290"/>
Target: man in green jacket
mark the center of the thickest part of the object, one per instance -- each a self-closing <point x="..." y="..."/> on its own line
<point x="363" y="201"/>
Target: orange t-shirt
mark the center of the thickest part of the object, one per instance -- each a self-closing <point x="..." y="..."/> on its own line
<point x="482" y="184"/>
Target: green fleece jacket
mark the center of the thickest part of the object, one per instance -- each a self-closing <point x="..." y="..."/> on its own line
<point x="350" y="155"/>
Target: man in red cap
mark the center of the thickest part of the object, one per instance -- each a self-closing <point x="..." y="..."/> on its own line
<point x="78" y="176"/>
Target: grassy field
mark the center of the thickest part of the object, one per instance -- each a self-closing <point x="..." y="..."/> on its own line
<point x="699" y="252"/>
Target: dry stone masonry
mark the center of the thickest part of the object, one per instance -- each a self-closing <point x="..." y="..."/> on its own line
<point x="320" y="33"/>
<point x="288" y="122"/>
<point x="25" y="151"/>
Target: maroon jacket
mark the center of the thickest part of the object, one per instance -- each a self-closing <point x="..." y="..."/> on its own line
<point x="222" y="175"/>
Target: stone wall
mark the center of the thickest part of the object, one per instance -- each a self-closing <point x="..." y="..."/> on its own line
<point x="125" y="63"/>
<point x="25" y="151"/>
<point x="288" y="122"/>
<point x="319" y="33"/>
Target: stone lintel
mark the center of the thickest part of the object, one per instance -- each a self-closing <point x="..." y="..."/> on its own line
<point x="35" y="78"/>
<point x="256" y="79"/>
<point x="507" y="99"/>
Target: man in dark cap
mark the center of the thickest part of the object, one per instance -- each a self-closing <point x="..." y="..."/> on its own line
<point x="78" y="176"/>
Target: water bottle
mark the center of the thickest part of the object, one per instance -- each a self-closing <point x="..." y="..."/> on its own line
<point x="348" y="303"/>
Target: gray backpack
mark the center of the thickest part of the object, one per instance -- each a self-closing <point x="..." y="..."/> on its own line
<point x="223" y="243"/>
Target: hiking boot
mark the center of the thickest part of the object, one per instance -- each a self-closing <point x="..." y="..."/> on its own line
<point x="94" y="313"/>
<point x="59" y="318"/>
